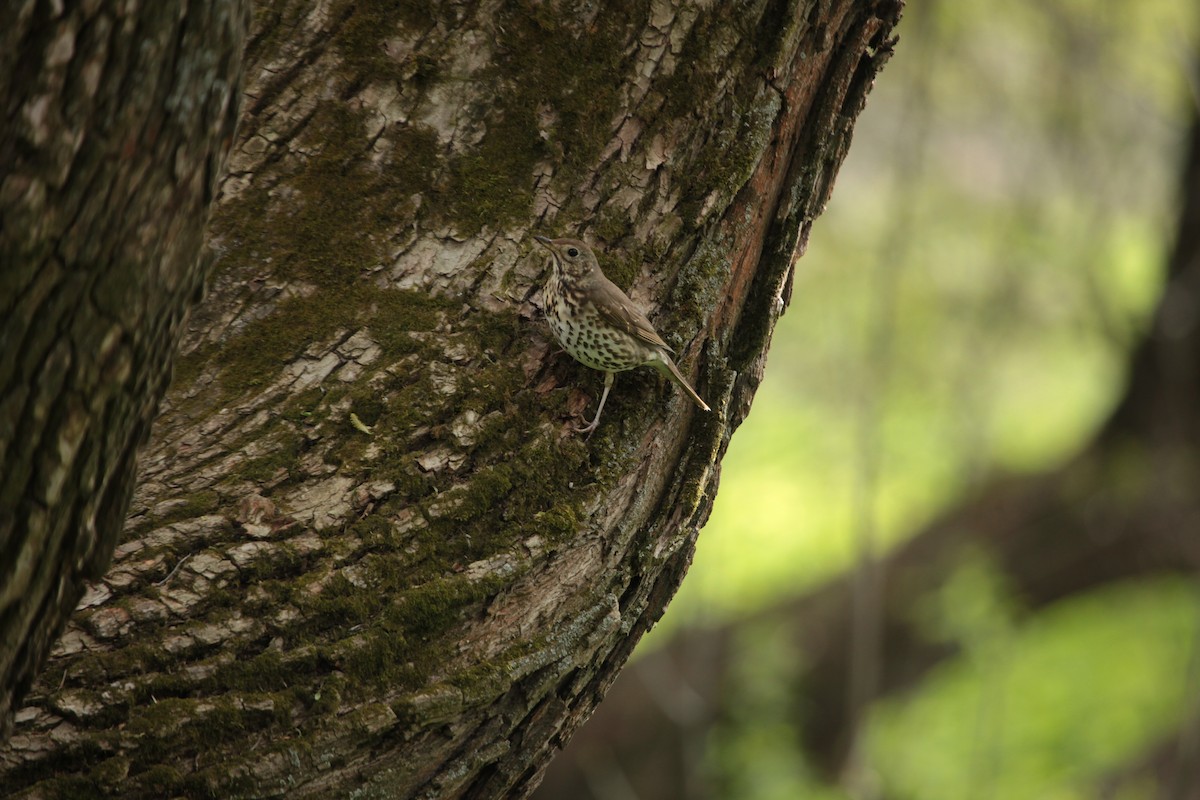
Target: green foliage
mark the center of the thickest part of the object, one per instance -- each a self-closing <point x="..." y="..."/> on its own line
<point x="1046" y="710"/>
<point x="754" y="748"/>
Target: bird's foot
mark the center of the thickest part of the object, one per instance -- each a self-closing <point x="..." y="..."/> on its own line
<point x="589" y="428"/>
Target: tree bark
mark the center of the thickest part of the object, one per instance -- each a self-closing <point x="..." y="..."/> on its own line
<point x="116" y="125"/>
<point x="366" y="552"/>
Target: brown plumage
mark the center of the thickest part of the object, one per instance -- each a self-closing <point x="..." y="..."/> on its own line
<point x="598" y="324"/>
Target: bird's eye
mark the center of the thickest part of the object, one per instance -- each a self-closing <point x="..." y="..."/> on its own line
<point x="572" y="251"/>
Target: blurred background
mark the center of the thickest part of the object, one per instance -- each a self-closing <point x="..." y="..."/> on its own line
<point x="955" y="547"/>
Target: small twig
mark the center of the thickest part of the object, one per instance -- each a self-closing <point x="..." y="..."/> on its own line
<point x="175" y="569"/>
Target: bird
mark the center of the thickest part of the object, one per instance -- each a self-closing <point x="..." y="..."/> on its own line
<point x="597" y="323"/>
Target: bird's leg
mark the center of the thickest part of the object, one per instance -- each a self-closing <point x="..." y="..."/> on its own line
<point x="609" y="377"/>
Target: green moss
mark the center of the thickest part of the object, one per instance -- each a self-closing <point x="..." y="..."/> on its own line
<point x="342" y="604"/>
<point x="110" y="771"/>
<point x="185" y="369"/>
<point x="176" y="725"/>
<point x="483" y="682"/>
<point x="275" y="23"/>
<point x="399" y="647"/>
<point x="375" y="531"/>
<point x="225" y="720"/>
<point x="495" y="333"/>
<point x="432" y="607"/>
<point x="699" y="66"/>
<point x="412" y="485"/>
<point x="493" y="185"/>
<point x="253" y="357"/>
<point x="394" y="315"/>
<point x="483" y="495"/>
<point x="197" y="504"/>
<point x="699" y="283"/>
<point x="322" y="238"/>
<point x="612" y="224"/>
<point x="545" y="60"/>
<point x="754" y="127"/>
<point x="721" y="38"/>
<point x="728" y="159"/>
<point x="301" y="408"/>
<point x="362" y="37"/>
<point x="280" y="562"/>
<point x="507" y="502"/>
<point x="386" y="658"/>
<point x="160" y="780"/>
<point x="411" y="168"/>
<point x="104" y="666"/>
<point x="57" y="774"/>
<point x="622" y="267"/>
<point x="369" y="407"/>
<point x="215" y="783"/>
<point x="557" y="524"/>
<point x="160" y="719"/>
<point x="347" y="450"/>
<point x="266" y="467"/>
<point x="71" y="787"/>
<point x="317" y="235"/>
<point x="255" y="673"/>
<point x="778" y="26"/>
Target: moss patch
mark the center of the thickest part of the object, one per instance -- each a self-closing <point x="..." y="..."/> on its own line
<point x="544" y="59"/>
<point x="366" y="25"/>
<point x="317" y="235"/>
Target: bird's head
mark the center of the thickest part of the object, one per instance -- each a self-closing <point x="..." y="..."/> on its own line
<point x="571" y="257"/>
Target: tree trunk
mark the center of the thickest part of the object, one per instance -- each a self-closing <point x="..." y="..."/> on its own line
<point x="117" y="120"/>
<point x="366" y="551"/>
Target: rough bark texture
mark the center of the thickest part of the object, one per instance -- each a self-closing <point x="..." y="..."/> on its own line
<point x="366" y="552"/>
<point x="1125" y="508"/>
<point x="115" y="125"/>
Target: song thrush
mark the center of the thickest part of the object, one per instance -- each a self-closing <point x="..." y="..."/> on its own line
<point x="598" y="324"/>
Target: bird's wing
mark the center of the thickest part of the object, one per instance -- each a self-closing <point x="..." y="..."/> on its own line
<point x="618" y="310"/>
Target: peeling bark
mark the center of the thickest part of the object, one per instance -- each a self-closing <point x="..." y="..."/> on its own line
<point x="366" y="551"/>
<point x="116" y="124"/>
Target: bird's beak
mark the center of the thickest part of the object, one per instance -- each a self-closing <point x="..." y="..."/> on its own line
<point x="542" y="240"/>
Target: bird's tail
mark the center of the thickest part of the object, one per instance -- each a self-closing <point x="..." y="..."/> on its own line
<point x="667" y="367"/>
